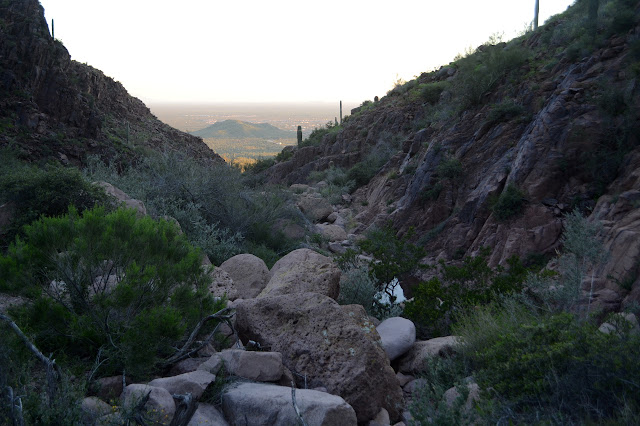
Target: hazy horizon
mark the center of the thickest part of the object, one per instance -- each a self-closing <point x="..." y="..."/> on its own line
<point x="280" y="51"/>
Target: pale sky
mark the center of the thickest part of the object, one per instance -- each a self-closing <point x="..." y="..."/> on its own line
<point x="278" y="50"/>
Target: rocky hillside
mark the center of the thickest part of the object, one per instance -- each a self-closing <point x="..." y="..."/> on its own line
<point x="495" y="148"/>
<point x="53" y="107"/>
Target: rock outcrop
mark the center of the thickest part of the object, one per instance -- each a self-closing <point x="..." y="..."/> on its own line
<point x="71" y="110"/>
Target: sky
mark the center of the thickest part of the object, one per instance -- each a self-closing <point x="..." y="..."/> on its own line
<point x="210" y="51"/>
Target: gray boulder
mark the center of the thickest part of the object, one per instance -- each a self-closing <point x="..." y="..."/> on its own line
<point x="207" y="415"/>
<point x="320" y="340"/>
<point x="160" y="406"/>
<point x="413" y="361"/>
<point x="194" y="382"/>
<point x="222" y="284"/>
<point x="332" y="233"/>
<point x="315" y="208"/>
<point x="303" y="271"/>
<point x="253" y="365"/>
<point x="122" y="198"/>
<point x="397" y="335"/>
<point x="264" y="404"/>
<point x="249" y="273"/>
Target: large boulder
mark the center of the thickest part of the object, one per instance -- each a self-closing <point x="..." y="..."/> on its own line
<point x="222" y="284"/>
<point x="397" y="335"/>
<point x="207" y="415"/>
<point x="264" y="404"/>
<point x="315" y="208"/>
<point x="122" y="198"/>
<point x="253" y="365"/>
<point x="194" y="382"/>
<point x="331" y="232"/>
<point x="249" y="273"/>
<point x="160" y="407"/>
<point x="413" y="362"/>
<point x="303" y="271"/>
<point x="324" y="343"/>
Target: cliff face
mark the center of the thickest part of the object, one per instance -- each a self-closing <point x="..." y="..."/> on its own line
<point x="562" y="128"/>
<point x="51" y="106"/>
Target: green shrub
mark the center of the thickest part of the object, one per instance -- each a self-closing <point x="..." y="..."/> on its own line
<point x="393" y="256"/>
<point x="430" y="193"/>
<point x="358" y="287"/>
<point x="551" y="368"/>
<point x="38" y="191"/>
<point x="361" y="173"/>
<point x="111" y="283"/>
<point x="215" y="209"/>
<point x="479" y="73"/>
<point x="509" y="203"/>
<point x="449" y="167"/>
<point x="504" y="111"/>
<point x="430" y="92"/>
<point x="458" y="288"/>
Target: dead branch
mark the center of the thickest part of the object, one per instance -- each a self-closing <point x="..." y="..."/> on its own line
<point x="184" y="352"/>
<point x="16" y="408"/>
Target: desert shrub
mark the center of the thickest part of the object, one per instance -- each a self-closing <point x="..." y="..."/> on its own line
<point x="429" y="406"/>
<point x="449" y="167"/>
<point x="112" y="284"/>
<point x="582" y="250"/>
<point x="35" y="191"/>
<point x="504" y="111"/>
<point x="284" y="155"/>
<point x="430" y="92"/>
<point x="361" y="173"/>
<point x="436" y="303"/>
<point x="393" y="256"/>
<point x="214" y="208"/>
<point x="482" y="71"/>
<point x="509" y="203"/>
<point x="430" y="193"/>
<point x="550" y="368"/>
<point x="358" y="287"/>
<point x="260" y="165"/>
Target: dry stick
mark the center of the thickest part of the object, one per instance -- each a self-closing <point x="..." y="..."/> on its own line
<point x="295" y="406"/>
<point x="186" y="406"/>
<point x="183" y="352"/>
<point x="16" y="408"/>
<point x="53" y="371"/>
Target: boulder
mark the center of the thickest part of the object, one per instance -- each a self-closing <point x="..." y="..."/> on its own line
<point x="194" y="382"/>
<point x="107" y="388"/>
<point x="265" y="404"/>
<point x="413" y="361"/>
<point x="303" y="271"/>
<point x="222" y="284"/>
<point x="92" y="408"/>
<point x="213" y="364"/>
<point x="320" y="340"/>
<point x="207" y="415"/>
<point x="253" y="365"/>
<point x="619" y="323"/>
<point x="332" y="233"/>
<point x="187" y="365"/>
<point x="315" y="208"/>
<point x="397" y="335"/>
<point x="381" y="419"/>
<point x="160" y="407"/>
<point x="123" y="198"/>
<point x="249" y="274"/>
<point x="452" y="394"/>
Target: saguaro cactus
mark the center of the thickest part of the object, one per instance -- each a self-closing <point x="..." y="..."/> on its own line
<point x="536" y="13"/>
<point x="53" y="30"/>
<point x="340" y="112"/>
<point x="299" y="135"/>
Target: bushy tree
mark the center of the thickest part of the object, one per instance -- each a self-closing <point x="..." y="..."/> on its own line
<point x="111" y="285"/>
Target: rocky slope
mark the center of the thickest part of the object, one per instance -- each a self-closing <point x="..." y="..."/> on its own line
<point x="560" y="124"/>
<point x="53" y="107"/>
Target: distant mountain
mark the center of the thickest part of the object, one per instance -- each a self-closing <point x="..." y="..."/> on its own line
<point x="236" y="129"/>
